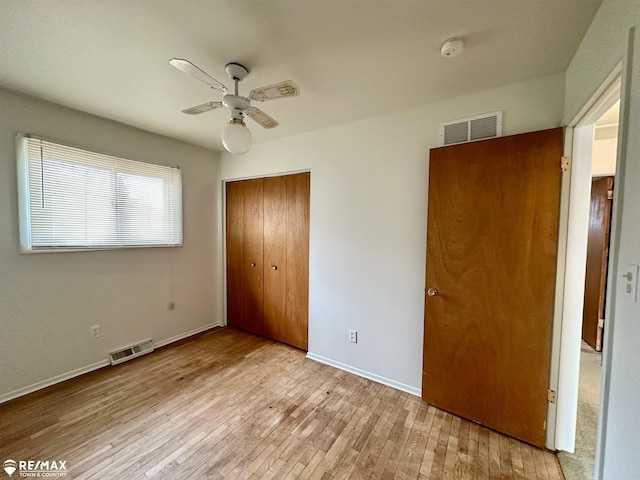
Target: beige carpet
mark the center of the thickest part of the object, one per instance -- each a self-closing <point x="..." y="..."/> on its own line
<point x="580" y="465"/>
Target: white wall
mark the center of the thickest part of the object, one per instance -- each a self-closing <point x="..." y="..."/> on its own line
<point x="368" y="221"/>
<point x="603" y="162"/>
<point x="49" y="301"/>
<point x="601" y="49"/>
<point x="599" y="52"/>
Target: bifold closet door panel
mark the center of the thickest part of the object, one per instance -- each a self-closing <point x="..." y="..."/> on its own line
<point x="253" y="217"/>
<point x="235" y="255"/>
<point x="297" y="248"/>
<point x="275" y="257"/>
<point x="244" y="255"/>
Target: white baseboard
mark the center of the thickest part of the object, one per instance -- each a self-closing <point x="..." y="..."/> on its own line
<point x="52" y="381"/>
<point x="94" y="366"/>
<point x="180" y="336"/>
<point x="363" y="373"/>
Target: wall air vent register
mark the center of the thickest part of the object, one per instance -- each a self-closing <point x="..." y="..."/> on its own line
<point x="130" y="352"/>
<point x="480" y="127"/>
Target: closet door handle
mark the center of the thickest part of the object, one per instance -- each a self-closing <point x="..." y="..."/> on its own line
<point x="253" y="264"/>
<point x="274" y="267"/>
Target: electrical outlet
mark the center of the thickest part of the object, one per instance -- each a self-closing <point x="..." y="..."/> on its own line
<point x="96" y="331"/>
<point x="353" y="336"/>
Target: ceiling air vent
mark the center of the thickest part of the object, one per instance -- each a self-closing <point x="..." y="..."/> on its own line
<point x="488" y="125"/>
<point x="132" y="351"/>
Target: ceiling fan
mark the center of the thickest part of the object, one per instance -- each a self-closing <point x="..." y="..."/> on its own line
<point x="236" y="137"/>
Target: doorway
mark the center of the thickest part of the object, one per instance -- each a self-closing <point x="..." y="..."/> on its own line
<point x="580" y="463"/>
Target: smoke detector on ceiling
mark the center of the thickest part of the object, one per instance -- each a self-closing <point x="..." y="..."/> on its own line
<point x="451" y="48"/>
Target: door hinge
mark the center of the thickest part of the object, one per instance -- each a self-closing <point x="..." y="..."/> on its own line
<point x="609" y="194"/>
<point x="551" y="396"/>
<point x="565" y="162"/>
<point x="601" y="323"/>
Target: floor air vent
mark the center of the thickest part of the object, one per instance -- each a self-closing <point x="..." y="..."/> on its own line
<point x="469" y="129"/>
<point x="132" y="351"/>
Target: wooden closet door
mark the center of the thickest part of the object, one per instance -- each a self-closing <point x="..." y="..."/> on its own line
<point x="297" y="286"/>
<point x="286" y="258"/>
<point x="268" y="257"/>
<point x="275" y="257"/>
<point x="253" y="254"/>
<point x="245" y="215"/>
<point x="235" y="255"/>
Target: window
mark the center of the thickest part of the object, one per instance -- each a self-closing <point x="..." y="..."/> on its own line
<point x="72" y="199"/>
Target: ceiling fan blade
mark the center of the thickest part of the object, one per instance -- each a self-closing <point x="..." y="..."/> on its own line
<point x="261" y="118"/>
<point x="187" y="67"/>
<point x="205" y="107"/>
<point x="277" y="90"/>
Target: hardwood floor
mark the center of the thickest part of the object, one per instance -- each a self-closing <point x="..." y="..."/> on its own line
<point x="230" y="405"/>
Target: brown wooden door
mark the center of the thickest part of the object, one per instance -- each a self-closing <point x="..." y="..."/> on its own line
<point x="492" y="237"/>
<point x="597" y="256"/>
<point x="235" y="255"/>
<point x="275" y="257"/>
<point x="286" y="258"/>
<point x="268" y="257"/>
<point x="297" y="289"/>
<point x="245" y="255"/>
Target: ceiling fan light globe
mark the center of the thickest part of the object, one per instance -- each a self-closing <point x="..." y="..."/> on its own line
<point x="236" y="137"/>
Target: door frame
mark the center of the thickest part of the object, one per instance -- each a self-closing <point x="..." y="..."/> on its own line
<point x="572" y="254"/>
<point x="223" y="224"/>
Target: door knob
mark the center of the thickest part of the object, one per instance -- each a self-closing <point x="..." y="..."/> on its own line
<point x="274" y="267"/>
<point x="253" y="264"/>
<point x="432" y="292"/>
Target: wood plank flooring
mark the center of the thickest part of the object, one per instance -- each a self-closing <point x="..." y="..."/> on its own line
<point x="230" y="405"/>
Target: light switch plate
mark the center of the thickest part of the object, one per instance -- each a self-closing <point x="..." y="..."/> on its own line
<point x="630" y="276"/>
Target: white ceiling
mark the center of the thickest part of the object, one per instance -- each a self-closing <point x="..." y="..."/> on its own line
<point x="351" y="58"/>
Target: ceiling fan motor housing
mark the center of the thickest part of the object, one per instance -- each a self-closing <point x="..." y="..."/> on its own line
<point x="237" y="104"/>
<point x="451" y="48"/>
<point x="236" y="71"/>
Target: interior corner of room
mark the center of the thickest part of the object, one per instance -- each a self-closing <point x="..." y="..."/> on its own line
<point x="353" y="243"/>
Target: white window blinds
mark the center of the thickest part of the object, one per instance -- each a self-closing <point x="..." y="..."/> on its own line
<point x="75" y="199"/>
